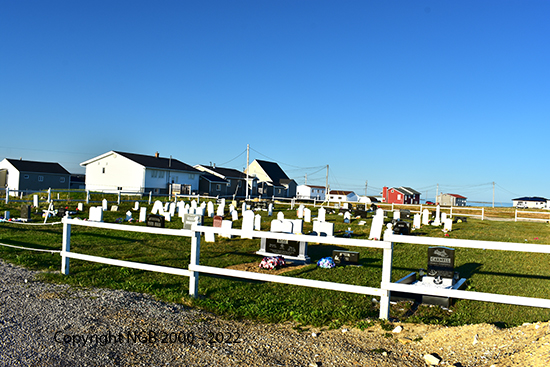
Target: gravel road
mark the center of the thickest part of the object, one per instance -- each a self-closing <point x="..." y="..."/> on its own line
<point x="57" y="325"/>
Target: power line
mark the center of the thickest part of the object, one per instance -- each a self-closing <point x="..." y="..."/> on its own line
<point x="223" y="164"/>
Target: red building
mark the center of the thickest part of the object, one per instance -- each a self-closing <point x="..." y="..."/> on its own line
<point x="401" y="195"/>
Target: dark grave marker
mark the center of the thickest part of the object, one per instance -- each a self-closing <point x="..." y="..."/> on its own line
<point x="341" y="257"/>
<point x="290" y="250"/>
<point x="405" y="214"/>
<point x="25" y="212"/>
<point x="460" y="219"/>
<point x="61" y="212"/>
<point x="154" y="220"/>
<point x="401" y="227"/>
<point x="441" y="262"/>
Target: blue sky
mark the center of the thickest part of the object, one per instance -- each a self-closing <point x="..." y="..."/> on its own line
<point x="399" y="93"/>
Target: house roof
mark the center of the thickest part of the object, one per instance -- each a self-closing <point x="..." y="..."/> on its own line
<point x="407" y="190"/>
<point x="225" y="172"/>
<point x="213" y="178"/>
<point x="149" y="161"/>
<point x="33" y="166"/>
<point x="531" y="198"/>
<point x="340" y="192"/>
<point x="275" y="173"/>
<point x="457" y="196"/>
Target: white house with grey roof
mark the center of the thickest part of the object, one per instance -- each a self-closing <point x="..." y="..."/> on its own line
<point x="31" y="176"/>
<point x="129" y="172"/>
<point x="272" y="180"/>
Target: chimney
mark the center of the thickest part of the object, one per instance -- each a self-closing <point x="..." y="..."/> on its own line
<point x="156" y="154"/>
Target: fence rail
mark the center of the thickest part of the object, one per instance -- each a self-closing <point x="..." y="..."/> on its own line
<point x="520" y="212"/>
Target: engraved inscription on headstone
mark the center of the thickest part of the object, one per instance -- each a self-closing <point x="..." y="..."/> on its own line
<point x="154" y="220"/>
<point x="441" y="262"/>
<point x="282" y="247"/>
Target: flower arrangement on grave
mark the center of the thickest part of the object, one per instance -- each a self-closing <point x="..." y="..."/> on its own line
<point x="272" y="262"/>
<point x="326" y="262"/>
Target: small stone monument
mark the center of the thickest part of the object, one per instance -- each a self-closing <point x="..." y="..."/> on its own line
<point x="293" y="251"/>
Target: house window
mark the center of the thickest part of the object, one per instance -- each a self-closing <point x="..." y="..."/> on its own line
<point x="161" y="174"/>
<point x="26" y="177"/>
<point x="191" y="176"/>
<point x="398" y="196"/>
<point x="40" y="178"/>
<point x="62" y="179"/>
<point x="154" y="173"/>
<point x="103" y="170"/>
<point x="228" y="182"/>
<point x="218" y="187"/>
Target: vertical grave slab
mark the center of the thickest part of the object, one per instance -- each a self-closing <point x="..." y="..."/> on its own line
<point x="295" y="251"/>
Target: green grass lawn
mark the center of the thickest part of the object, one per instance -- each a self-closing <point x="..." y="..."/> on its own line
<point x="513" y="273"/>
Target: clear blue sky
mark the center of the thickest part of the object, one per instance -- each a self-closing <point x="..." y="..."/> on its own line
<point x="399" y="93"/>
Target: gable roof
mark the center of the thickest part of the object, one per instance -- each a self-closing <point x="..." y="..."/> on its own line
<point x="149" y="161"/>
<point x="33" y="166"/>
<point x="225" y="172"/>
<point x="275" y="173"/>
<point x="457" y="196"/>
<point x="340" y="192"/>
<point x="406" y="190"/>
<point x="213" y="178"/>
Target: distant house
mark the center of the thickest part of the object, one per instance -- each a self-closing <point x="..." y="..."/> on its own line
<point x="310" y="192"/>
<point x="119" y="171"/>
<point x="451" y="200"/>
<point x="78" y="182"/>
<point x="219" y="181"/>
<point x="272" y="180"/>
<point x="400" y="195"/>
<point x="530" y="202"/>
<point x="341" y="196"/>
<point x="23" y="175"/>
<point x="369" y="199"/>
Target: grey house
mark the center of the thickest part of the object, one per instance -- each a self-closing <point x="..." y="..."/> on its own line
<point x="32" y="176"/>
<point x="214" y="179"/>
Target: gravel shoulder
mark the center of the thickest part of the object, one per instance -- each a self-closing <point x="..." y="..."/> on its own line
<point x="48" y="324"/>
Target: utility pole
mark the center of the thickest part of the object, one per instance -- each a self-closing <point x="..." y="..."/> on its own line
<point x="493" y="194"/>
<point x="306" y="180"/>
<point x="247" y="164"/>
<point x="366" y="184"/>
<point x="436" y="193"/>
<point x="326" y="186"/>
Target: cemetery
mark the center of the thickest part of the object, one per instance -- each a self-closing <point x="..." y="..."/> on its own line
<point x="504" y="272"/>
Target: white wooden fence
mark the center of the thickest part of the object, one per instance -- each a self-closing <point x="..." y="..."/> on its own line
<point x="386" y="286"/>
<point x="520" y="212"/>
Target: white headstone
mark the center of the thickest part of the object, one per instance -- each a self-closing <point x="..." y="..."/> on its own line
<point x="437" y="220"/>
<point x="114" y="208"/>
<point x="425" y="217"/>
<point x="380" y="211"/>
<point x="142" y="214"/>
<point x="248" y="224"/>
<point x="397" y="214"/>
<point x="321" y="228"/>
<point x="136" y="205"/>
<point x="172" y="209"/>
<point x="448" y="225"/>
<point x="376" y="227"/>
<point x="104" y="204"/>
<point x="300" y="212"/>
<point x="443" y="217"/>
<point x="128" y="215"/>
<point x="80" y="207"/>
<point x="347" y="217"/>
<point x="193" y="204"/>
<point x="166" y="207"/>
<point x="321" y="215"/>
<point x="96" y="214"/>
<point x="231" y="208"/>
<point x="221" y="211"/>
<point x="234" y="215"/>
<point x="416" y="221"/>
<point x="284" y="226"/>
<point x="35" y="201"/>
<point x="270" y="209"/>
<point x="280" y="216"/>
<point x="226" y="224"/>
<point x="257" y="222"/>
<point x="297" y="225"/>
<point x="243" y="208"/>
<point x="167" y="216"/>
<point x="307" y="215"/>
<point x="157" y="208"/>
<point x="210" y="208"/>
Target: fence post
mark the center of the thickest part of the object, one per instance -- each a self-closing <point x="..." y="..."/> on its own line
<point x="482" y="213"/>
<point x="118" y="199"/>
<point x="451" y="211"/>
<point x="7" y="195"/>
<point x="150" y="195"/>
<point x="195" y="257"/>
<point x="386" y="279"/>
<point x="49" y="194"/>
<point x="87" y="196"/>
<point x="516" y="216"/>
<point x="66" y="247"/>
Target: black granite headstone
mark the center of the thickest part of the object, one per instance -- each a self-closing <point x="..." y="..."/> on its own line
<point x="441" y="262"/>
<point x="401" y="227"/>
<point x="154" y="220"/>
<point x="25" y="211"/>
<point x="345" y="257"/>
<point x="282" y="247"/>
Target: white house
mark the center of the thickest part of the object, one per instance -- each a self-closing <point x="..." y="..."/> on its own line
<point x="272" y="180"/>
<point x="129" y="172"/>
<point x="451" y="200"/>
<point x="342" y="196"/>
<point x="310" y="192"/>
<point x="530" y="202"/>
<point x="23" y="175"/>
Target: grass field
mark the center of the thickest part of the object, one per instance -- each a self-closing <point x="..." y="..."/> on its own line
<point x="502" y="272"/>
